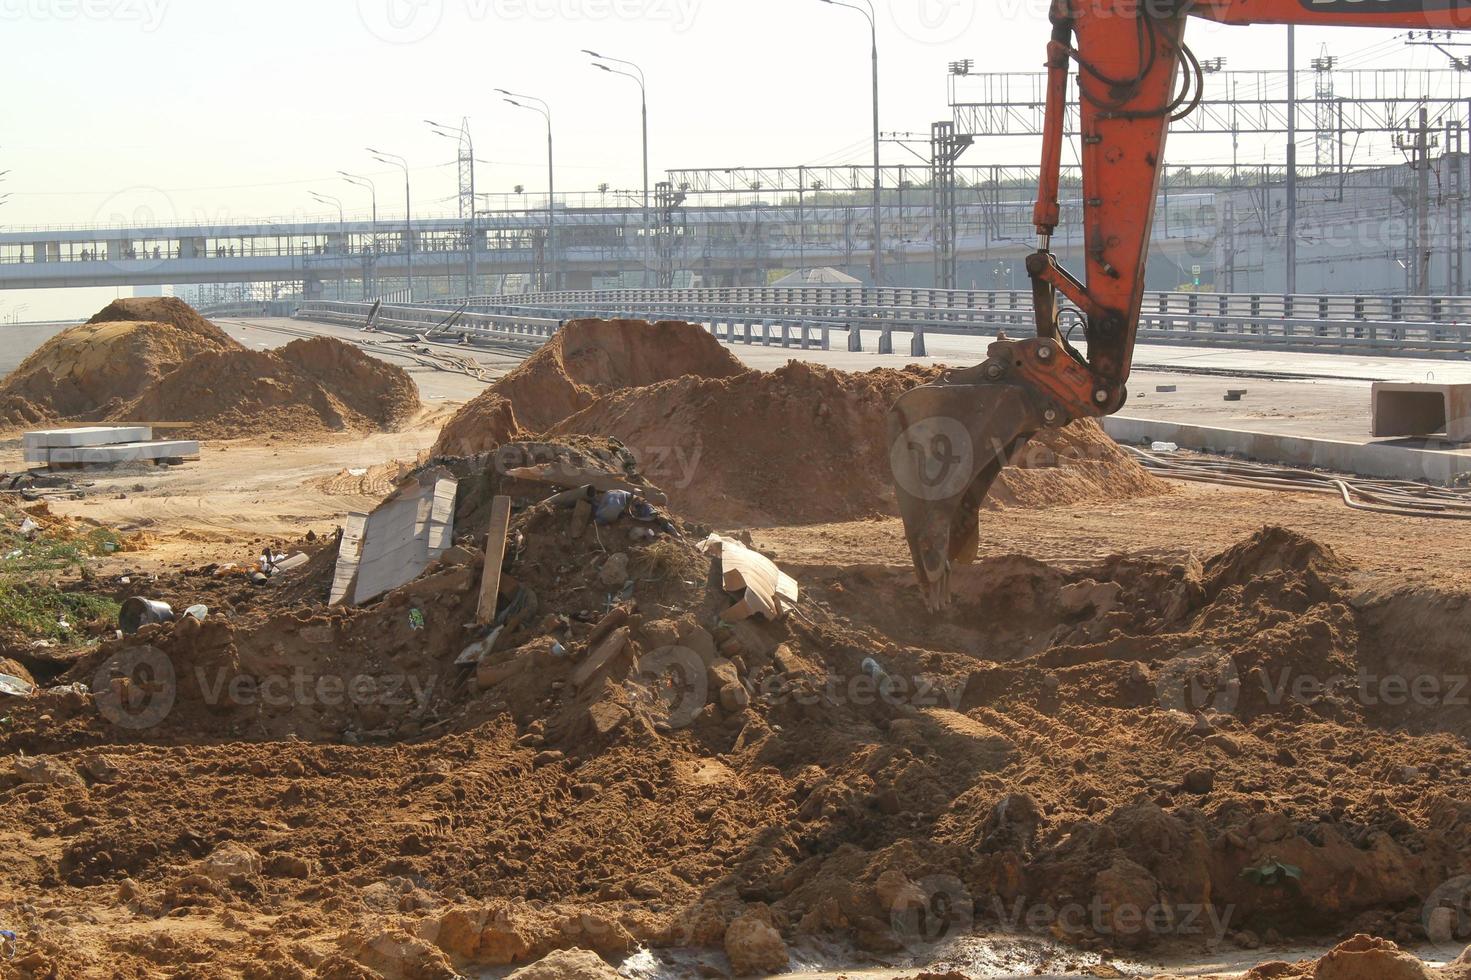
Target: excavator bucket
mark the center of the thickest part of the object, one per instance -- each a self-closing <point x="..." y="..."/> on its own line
<point x="948" y="442"/>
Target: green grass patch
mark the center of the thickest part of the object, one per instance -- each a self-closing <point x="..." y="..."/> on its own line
<point x="30" y="602"/>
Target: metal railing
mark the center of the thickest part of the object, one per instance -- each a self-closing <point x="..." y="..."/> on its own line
<point x="524" y="331"/>
<point x="1384" y="325"/>
<point x="270" y="308"/>
<point x="1425" y="309"/>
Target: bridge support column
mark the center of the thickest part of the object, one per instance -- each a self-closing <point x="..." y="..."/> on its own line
<point x="916" y="342"/>
<point x="886" y="341"/>
<point x="855" y="339"/>
<point x="766" y="333"/>
<point x="311" y="289"/>
<point x="786" y="335"/>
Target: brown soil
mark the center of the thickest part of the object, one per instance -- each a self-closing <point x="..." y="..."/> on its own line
<point x="309" y="386"/>
<point x="585" y="359"/>
<point x="156" y="360"/>
<point x="803" y="444"/>
<point x="1360" y="958"/>
<point x="87" y="372"/>
<point x="1108" y="738"/>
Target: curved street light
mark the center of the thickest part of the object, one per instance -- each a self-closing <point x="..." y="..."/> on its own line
<point x="520" y="101"/>
<point x="394" y="160"/>
<point x="878" y="260"/>
<point x="637" y="74"/>
<point x="369" y="280"/>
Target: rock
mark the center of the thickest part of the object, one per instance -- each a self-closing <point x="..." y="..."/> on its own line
<point x="45" y="770"/>
<point x="547" y="758"/>
<point x="722" y="673"/>
<point x="1269" y="827"/>
<point x="659" y="634"/>
<point x="734" y="698"/>
<point x="290" y="866"/>
<point x="567" y="964"/>
<point x="461" y="555"/>
<point x="1126" y="892"/>
<point x="101" y="768"/>
<point x="895" y="890"/>
<point x="1080" y="597"/>
<point x="1225" y="743"/>
<point x="1247" y="939"/>
<point x="1440" y="925"/>
<point x="1368" y="958"/>
<point x="392" y="952"/>
<point x="754" y="946"/>
<point x="229" y="860"/>
<point x="614" y="573"/>
<point x="1200" y="781"/>
<point x="128" y="890"/>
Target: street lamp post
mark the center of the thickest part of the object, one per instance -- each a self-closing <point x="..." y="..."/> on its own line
<point x="467" y="147"/>
<point x="546" y="111"/>
<point x="368" y="286"/>
<point x="638" y="76"/>
<point x="394" y="160"/>
<point x="878" y="257"/>
<point x="341" y="242"/>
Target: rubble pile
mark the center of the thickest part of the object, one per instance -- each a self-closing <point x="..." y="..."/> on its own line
<point x="608" y="754"/>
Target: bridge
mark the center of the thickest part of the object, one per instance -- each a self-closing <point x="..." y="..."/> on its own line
<point x="726" y="244"/>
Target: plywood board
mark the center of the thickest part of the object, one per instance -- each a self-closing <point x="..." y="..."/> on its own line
<point x="495" y="555"/>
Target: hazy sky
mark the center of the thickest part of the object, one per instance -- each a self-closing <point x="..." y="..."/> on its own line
<point x="222" y="109"/>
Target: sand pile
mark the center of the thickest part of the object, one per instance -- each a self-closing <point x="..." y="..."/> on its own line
<point x="585" y="359"/>
<point x="802" y="444"/>
<point x="307" y="387"/>
<point x="87" y="372"/>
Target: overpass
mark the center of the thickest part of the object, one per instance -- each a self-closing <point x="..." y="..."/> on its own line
<point x="721" y="245"/>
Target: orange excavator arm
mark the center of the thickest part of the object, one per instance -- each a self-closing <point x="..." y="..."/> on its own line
<point x="950" y="439"/>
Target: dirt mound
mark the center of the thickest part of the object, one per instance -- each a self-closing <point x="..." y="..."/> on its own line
<point x="1362" y="958"/>
<point x="308" y="387"/>
<point x="585" y="359"/>
<point x="87" y="372"/>
<point x="802" y="444"/>
<point x="160" y="309"/>
<point x="379" y="392"/>
<point x="807" y="444"/>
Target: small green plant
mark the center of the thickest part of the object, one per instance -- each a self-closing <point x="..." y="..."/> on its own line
<point x="1271" y="873"/>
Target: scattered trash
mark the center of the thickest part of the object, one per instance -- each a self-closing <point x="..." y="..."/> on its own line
<point x="139" y="612"/>
<point x="1163" y="447"/>
<point x="9" y="944"/>
<point x="477" y="651"/>
<point x="416" y="619"/>
<point x="198" y="611"/>
<point x="358" y="471"/>
<point x="28" y="528"/>
<point x="557" y="649"/>
<point x="259" y="578"/>
<point x="1164" y="389"/>
<point x="565" y="474"/>
<point x="642" y="534"/>
<point x="287" y="564"/>
<point x="612" y="505"/>
<point x="12" y="555"/>
<point x="1234" y="394"/>
<point x="76" y="687"/>
<point x="767" y="590"/>
<point x="15" y="686"/>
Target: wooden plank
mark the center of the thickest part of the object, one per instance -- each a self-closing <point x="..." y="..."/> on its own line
<point x="495" y="554"/>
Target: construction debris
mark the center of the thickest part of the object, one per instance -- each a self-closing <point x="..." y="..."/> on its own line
<point x="400" y="538"/>
<point x="764" y="589"/>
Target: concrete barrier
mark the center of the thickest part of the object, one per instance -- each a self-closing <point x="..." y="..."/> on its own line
<point x="1418" y="409"/>
<point x="1437" y="466"/>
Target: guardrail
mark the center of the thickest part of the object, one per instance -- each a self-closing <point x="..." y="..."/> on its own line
<point x="271" y="308"/>
<point x="1418" y="309"/>
<point x="526" y="331"/>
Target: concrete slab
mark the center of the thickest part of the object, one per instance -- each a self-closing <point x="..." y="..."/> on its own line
<point x="128" y="452"/>
<point x="1422" y="409"/>
<point x="96" y="435"/>
<point x="1437" y="466"/>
